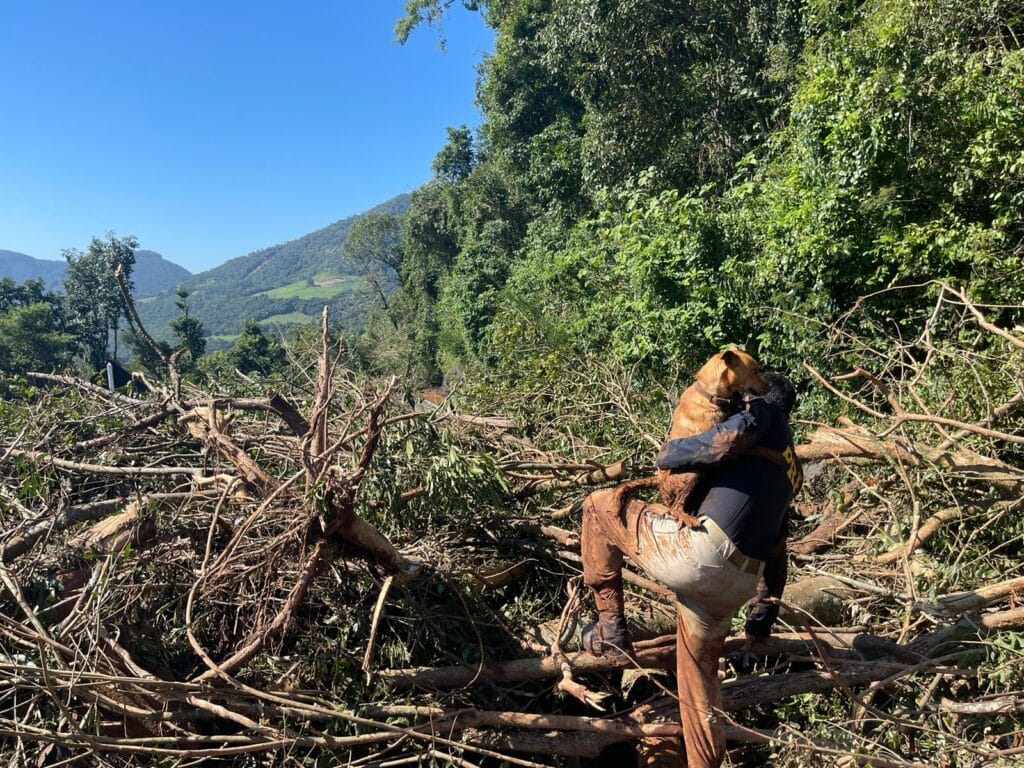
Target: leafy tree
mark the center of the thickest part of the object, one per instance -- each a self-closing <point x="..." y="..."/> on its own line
<point x="534" y="120"/>
<point x="31" y="328"/>
<point x="255" y="352"/>
<point x="431" y="244"/>
<point x="14" y="294"/>
<point x="643" y="283"/>
<point x="456" y="159"/>
<point x="683" y="88"/>
<point x="430" y="11"/>
<point x="188" y="331"/>
<point x="900" y="164"/>
<point x="30" y="341"/>
<point x="375" y="242"/>
<point x="94" y="301"/>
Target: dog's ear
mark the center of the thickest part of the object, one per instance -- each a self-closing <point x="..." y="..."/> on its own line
<point x="730" y="358"/>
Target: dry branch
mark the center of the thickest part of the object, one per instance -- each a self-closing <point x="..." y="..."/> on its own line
<point x="828" y="443"/>
<point x="275" y="600"/>
<point x="845" y="647"/>
<point x="309" y="571"/>
<point x="99" y="469"/>
<point x="617" y="471"/>
<point x="928" y="529"/>
<point x="972" y="600"/>
<point x="85" y="386"/>
<point x="22" y="542"/>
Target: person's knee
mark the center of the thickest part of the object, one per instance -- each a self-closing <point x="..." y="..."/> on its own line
<point x="594" y="580"/>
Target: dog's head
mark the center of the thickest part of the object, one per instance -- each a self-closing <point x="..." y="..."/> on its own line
<point x="730" y="373"/>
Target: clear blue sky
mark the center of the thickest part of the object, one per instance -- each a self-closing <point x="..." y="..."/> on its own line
<point x="210" y="128"/>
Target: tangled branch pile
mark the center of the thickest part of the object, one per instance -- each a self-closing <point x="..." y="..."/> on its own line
<point x="327" y="575"/>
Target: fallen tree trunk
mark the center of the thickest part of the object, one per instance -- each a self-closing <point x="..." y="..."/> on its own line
<point x="659" y="655"/>
<point x="826" y="443"/>
<point x="845" y="647"/>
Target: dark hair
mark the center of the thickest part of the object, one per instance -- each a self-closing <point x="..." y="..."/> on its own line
<point x="781" y="392"/>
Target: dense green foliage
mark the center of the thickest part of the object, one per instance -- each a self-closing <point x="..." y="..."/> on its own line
<point x="188" y="331"/>
<point x="374" y="243"/>
<point x="44" y="330"/>
<point x="31" y="327"/>
<point x="654" y="181"/>
<point x="94" y="300"/>
<point x="253" y="353"/>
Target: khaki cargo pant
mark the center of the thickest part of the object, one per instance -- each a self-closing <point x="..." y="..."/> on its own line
<point x="693" y="563"/>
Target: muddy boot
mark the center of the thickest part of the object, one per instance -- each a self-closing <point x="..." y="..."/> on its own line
<point x="608" y="636"/>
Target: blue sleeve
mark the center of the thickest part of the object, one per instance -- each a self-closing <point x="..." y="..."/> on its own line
<point x="723" y="441"/>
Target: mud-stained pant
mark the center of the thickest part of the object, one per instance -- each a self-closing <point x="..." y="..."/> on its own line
<point x="693" y="563"/>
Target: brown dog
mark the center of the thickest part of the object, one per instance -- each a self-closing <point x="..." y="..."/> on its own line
<point x="701" y="405"/>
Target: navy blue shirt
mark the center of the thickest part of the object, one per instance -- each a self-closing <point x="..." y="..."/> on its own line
<point x="746" y="494"/>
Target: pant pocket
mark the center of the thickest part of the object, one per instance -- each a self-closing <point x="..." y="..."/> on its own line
<point x="713" y="556"/>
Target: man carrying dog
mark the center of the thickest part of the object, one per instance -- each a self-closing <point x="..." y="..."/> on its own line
<point x="749" y="477"/>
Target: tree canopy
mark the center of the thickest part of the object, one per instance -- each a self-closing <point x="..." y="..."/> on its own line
<point x="655" y="181"/>
<point x="32" y="335"/>
<point x="93" y="298"/>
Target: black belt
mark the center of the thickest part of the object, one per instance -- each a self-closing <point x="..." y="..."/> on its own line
<point x="737" y="558"/>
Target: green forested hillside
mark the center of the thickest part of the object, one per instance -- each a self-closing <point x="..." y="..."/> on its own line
<point x="654" y="180"/>
<point x="153" y="273"/>
<point x="284" y="284"/>
<point x="20" y="267"/>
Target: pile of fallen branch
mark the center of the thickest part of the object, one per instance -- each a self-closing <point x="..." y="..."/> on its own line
<point x="326" y="573"/>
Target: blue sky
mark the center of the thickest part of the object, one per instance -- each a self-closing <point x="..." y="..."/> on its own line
<point x="210" y="128"/>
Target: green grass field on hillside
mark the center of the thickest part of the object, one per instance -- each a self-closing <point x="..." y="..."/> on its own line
<point x="289" y="318"/>
<point x="324" y="288"/>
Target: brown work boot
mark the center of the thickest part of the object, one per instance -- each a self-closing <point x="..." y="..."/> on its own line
<point x="608" y="636"/>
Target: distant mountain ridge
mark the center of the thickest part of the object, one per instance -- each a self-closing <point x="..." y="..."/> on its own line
<point x="282" y="285"/>
<point x="21" y="267"/>
<point x="152" y="273"/>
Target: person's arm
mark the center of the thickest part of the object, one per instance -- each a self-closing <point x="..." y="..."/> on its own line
<point x="731" y="438"/>
<point x="762" y="610"/>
